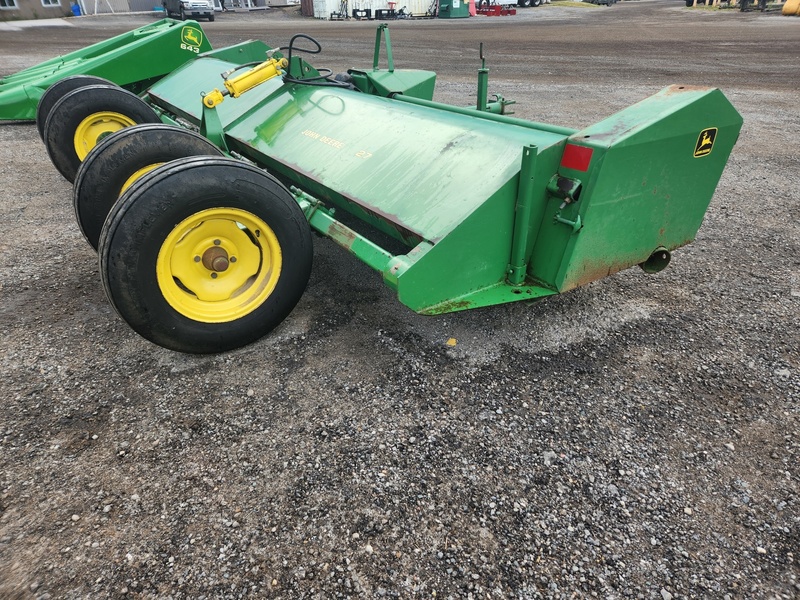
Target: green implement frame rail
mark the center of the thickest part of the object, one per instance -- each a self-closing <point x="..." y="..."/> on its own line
<point x="133" y="60"/>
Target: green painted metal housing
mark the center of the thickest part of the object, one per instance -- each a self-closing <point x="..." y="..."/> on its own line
<point x="648" y="185"/>
<point x="133" y="60"/>
<point x="390" y="81"/>
<point x="490" y="209"/>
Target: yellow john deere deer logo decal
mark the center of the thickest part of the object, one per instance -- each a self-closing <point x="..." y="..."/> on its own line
<point x="705" y="142"/>
<point x="191" y="39"/>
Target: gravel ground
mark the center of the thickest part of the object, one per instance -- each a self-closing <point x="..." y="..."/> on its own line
<point x="636" y="438"/>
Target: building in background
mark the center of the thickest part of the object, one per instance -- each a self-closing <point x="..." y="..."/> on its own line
<point x="19" y="10"/>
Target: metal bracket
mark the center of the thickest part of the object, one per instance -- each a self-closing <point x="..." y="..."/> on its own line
<point x="574" y="225"/>
<point x="211" y="127"/>
<point x="565" y="188"/>
<point x="309" y="204"/>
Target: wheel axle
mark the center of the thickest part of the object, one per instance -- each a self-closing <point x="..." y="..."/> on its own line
<point x="216" y="259"/>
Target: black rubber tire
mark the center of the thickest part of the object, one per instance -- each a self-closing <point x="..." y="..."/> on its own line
<point x="113" y="161"/>
<point x="57" y="91"/>
<point x="69" y="112"/>
<point x="536" y="2"/>
<point x="211" y="19"/>
<point x="146" y="214"/>
<point x="524" y="3"/>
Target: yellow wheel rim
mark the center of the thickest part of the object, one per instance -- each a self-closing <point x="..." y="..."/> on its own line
<point x="97" y="126"/>
<point x="143" y="171"/>
<point x="219" y="265"/>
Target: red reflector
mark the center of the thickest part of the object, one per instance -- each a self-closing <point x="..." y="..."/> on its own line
<point x="576" y="157"/>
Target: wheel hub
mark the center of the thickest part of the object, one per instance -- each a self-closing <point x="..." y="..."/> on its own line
<point x="215" y="259"/>
<point x="218" y="265"/>
<point x="97" y="126"/>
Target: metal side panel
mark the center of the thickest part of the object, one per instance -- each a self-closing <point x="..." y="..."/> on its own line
<point x="422" y="170"/>
<point x="647" y="185"/>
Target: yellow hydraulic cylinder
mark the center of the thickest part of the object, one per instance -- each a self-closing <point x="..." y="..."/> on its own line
<point x="246" y="81"/>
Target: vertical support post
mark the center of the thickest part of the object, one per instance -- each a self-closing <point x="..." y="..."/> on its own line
<point x="383" y="28"/>
<point x="522" y="218"/>
<point x="483" y="83"/>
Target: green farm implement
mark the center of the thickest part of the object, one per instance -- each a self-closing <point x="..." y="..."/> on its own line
<point x="201" y="207"/>
<point x="133" y="60"/>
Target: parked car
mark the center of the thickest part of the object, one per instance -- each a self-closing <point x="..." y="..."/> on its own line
<point x="195" y="9"/>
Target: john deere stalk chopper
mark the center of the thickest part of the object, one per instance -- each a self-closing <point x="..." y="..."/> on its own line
<point x="202" y="204"/>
